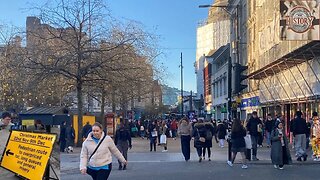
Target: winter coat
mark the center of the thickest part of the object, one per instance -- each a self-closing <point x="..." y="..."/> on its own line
<point x="252" y="126"/>
<point x="269" y="125"/>
<point x="70" y="136"/>
<point x="103" y="155"/>
<point x="85" y="130"/>
<point x="221" y="131"/>
<point x="122" y="135"/>
<point x="209" y="128"/>
<point x="4" y="135"/>
<point x="199" y="130"/>
<point x="152" y="128"/>
<point x="299" y="126"/>
<point x="237" y="139"/>
<point x="276" y="148"/>
<point x="185" y="129"/>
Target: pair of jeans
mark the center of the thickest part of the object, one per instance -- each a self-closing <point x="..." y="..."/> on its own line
<point x="101" y="174"/>
<point x="185" y="146"/>
<point x="153" y="143"/>
<point x="300" y="142"/>
<point x="268" y="138"/>
<point x="254" y="141"/>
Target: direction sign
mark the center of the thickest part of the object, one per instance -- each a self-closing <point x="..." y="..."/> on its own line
<point x="27" y="154"/>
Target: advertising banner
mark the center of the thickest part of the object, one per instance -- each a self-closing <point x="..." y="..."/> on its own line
<point x="299" y="20"/>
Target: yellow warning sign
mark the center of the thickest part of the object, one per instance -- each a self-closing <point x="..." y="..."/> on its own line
<point x="28" y="122"/>
<point x="27" y="154"/>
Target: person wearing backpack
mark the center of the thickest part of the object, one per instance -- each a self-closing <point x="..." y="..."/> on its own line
<point x="208" y="143"/>
<point x="123" y="142"/>
<point x="96" y="154"/>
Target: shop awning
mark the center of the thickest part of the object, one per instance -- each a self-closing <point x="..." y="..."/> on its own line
<point x="298" y="56"/>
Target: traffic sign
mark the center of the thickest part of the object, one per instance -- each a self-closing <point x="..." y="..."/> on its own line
<point x="27" y="154"/>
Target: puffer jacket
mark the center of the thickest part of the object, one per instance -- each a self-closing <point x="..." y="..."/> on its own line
<point x="199" y="130"/>
<point x="103" y="155"/>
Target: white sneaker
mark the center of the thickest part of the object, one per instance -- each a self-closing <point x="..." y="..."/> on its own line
<point x="229" y="163"/>
<point x="244" y="166"/>
<point x="281" y="168"/>
<point x="165" y="151"/>
<point x="275" y="166"/>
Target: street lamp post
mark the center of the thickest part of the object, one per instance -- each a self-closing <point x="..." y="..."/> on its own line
<point x="229" y="74"/>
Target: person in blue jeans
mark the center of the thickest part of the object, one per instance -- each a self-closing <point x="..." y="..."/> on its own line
<point x="269" y="125"/>
<point x="252" y="128"/>
<point x="153" y="135"/>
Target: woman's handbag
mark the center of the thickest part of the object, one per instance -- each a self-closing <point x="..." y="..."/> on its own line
<point x="248" y="141"/>
<point x="163" y="139"/>
<point x="201" y="139"/>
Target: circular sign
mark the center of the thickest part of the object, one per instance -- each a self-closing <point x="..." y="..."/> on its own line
<point x="299" y="19"/>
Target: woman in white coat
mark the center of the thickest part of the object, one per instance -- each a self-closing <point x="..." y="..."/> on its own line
<point x="96" y="154"/>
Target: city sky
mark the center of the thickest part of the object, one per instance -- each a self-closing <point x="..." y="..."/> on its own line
<point x="175" y="21"/>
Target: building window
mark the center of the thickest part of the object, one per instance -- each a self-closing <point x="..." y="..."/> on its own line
<point x="220" y="82"/>
<point x="225" y="85"/>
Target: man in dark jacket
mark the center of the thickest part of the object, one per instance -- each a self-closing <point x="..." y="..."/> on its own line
<point x="299" y="129"/>
<point x="252" y="128"/>
<point x="269" y="127"/>
<point x="85" y="130"/>
<point x="123" y="141"/>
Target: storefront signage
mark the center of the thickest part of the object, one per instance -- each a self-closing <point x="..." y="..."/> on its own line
<point x="299" y="19"/>
<point x="250" y="102"/>
<point x="27" y="154"/>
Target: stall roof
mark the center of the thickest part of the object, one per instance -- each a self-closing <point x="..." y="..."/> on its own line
<point x="45" y="110"/>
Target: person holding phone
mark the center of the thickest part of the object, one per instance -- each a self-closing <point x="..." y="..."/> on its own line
<point x="280" y="154"/>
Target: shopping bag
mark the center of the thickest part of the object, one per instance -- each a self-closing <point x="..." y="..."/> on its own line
<point x="163" y="139"/>
<point x="247" y="139"/>
<point x="154" y="133"/>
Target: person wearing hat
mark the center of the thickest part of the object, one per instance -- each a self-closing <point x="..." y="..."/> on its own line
<point x="280" y="153"/>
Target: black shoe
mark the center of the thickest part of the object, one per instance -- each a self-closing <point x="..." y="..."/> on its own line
<point x="124" y="167"/>
<point x="120" y="167"/>
<point x="209" y="159"/>
<point x="299" y="159"/>
<point x="200" y="159"/>
<point x="305" y="157"/>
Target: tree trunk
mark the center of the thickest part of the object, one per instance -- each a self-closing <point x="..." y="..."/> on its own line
<point x="103" y="98"/>
<point x="113" y="100"/>
<point x="80" y="112"/>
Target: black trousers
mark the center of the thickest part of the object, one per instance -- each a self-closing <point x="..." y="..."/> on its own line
<point x="185" y="146"/>
<point x="101" y="174"/>
<point x="199" y="151"/>
<point x="204" y="151"/>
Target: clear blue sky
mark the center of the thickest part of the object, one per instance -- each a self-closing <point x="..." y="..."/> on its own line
<point x="175" y="21"/>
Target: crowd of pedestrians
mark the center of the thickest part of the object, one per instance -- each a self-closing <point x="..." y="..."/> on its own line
<point x="242" y="135"/>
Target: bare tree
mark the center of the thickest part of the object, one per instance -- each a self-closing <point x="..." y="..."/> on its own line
<point x="79" y="41"/>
